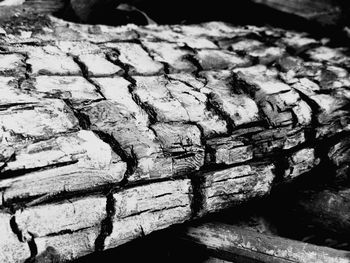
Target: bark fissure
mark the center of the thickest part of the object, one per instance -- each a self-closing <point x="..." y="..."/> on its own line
<point x="106" y="224"/>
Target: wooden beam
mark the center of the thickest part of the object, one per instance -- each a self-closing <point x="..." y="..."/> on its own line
<point x="234" y="244"/>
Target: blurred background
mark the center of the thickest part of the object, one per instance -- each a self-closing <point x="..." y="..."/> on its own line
<point x="322" y="17"/>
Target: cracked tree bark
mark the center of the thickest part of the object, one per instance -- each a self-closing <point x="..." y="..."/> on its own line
<point x="111" y="133"/>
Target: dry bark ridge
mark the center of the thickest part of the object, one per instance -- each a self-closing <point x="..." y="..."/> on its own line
<point x="100" y="146"/>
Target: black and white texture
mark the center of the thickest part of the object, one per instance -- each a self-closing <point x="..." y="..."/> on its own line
<point x="110" y="133"/>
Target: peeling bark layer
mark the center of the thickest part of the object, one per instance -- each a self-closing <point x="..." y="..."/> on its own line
<point x="111" y="133"/>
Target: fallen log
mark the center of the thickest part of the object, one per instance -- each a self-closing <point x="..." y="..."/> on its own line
<point x="154" y="126"/>
<point x="234" y="244"/>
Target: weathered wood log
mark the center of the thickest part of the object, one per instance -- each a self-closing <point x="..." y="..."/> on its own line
<point x="234" y="244"/>
<point x="196" y="122"/>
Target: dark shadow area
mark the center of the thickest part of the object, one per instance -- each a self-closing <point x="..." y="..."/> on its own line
<point x="241" y="12"/>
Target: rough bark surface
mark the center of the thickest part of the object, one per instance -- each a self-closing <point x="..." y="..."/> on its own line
<point x="110" y="133"/>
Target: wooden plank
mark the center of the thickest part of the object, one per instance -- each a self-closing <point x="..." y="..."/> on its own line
<point x="235" y="244"/>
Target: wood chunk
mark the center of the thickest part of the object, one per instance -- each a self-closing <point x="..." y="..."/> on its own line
<point x="165" y="33"/>
<point x="118" y="121"/>
<point x="276" y="99"/>
<point x="92" y="163"/>
<point x="332" y="116"/>
<point x="294" y="138"/>
<point x="303" y="113"/>
<point x="290" y="65"/>
<point x="77" y="48"/>
<point x="144" y="209"/>
<point x="44" y="64"/>
<point x="278" y="108"/>
<point x="116" y="89"/>
<point x="259" y="80"/>
<point x="272" y="141"/>
<point x="333" y="78"/>
<point x="172" y="55"/>
<point x="299" y="42"/>
<point x="174" y="101"/>
<point x="257" y="50"/>
<point x="309" y="70"/>
<point x="235" y="243"/>
<point x="48" y="184"/>
<point x="55" y="218"/>
<point x="238" y="107"/>
<point x="329" y="55"/>
<point x="306" y="86"/>
<point x="301" y="162"/>
<point x="212" y="29"/>
<point x="36" y="121"/>
<point x="183" y="142"/>
<point x="138" y="60"/>
<point x="135" y="139"/>
<point x="12" y="94"/>
<point x="218" y="59"/>
<point x="83" y="147"/>
<point x="232" y="186"/>
<point x="66" y="247"/>
<point x="221" y="80"/>
<point x="178" y="137"/>
<point x="221" y="29"/>
<point x="62" y="30"/>
<point x="243" y="45"/>
<point x="11" y="249"/>
<point x="153" y="91"/>
<point x="330" y="106"/>
<point x="266" y="55"/>
<point x="228" y="150"/>
<point x="98" y="66"/>
<point x="76" y="89"/>
<point x="11" y="64"/>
